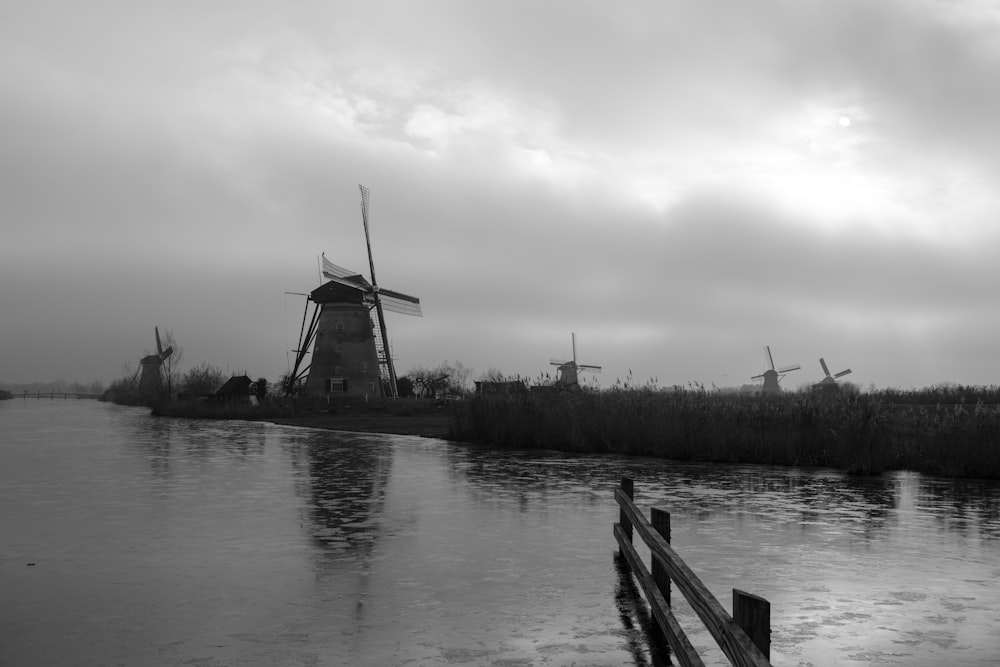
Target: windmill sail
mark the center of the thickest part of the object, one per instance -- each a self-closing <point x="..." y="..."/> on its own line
<point x="829" y="380"/>
<point x="329" y="363"/>
<point x="398" y="302"/>
<point x="568" y="371"/>
<point x="772" y="376"/>
<point x="331" y="270"/>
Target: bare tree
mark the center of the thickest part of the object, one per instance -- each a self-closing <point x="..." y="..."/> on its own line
<point x="203" y="379"/>
<point x="445" y="378"/>
<point x="172" y="364"/>
<point x="492" y="375"/>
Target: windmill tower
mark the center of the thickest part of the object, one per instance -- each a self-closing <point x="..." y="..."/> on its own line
<point x="830" y="381"/>
<point x="773" y="376"/>
<point x="151" y="379"/>
<point x="568" y="371"/>
<point x="347" y="332"/>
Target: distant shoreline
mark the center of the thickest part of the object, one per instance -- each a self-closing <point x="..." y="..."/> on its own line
<point x="432" y="425"/>
<point x="419" y="417"/>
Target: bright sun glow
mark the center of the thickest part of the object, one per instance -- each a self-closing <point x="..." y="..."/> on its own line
<point x="844" y="121"/>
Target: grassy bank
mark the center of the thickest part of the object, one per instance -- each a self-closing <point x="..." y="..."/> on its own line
<point x="862" y="434"/>
<point x="405" y="416"/>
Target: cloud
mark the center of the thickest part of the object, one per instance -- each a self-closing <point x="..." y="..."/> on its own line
<point x="670" y="182"/>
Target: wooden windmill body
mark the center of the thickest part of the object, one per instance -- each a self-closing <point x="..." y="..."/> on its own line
<point x="772" y="376"/>
<point x="151" y="387"/>
<point x="829" y="382"/>
<point x="568" y="372"/>
<point x="347" y="332"/>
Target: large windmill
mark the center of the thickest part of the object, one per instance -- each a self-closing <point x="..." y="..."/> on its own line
<point x="830" y="381"/>
<point x="347" y="332"/>
<point x="151" y="379"/>
<point x="568" y="371"/>
<point x="773" y="376"/>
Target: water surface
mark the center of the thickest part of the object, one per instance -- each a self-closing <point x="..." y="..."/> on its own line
<point x="126" y="539"/>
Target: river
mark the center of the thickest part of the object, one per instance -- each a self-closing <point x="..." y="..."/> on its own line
<point x="132" y="540"/>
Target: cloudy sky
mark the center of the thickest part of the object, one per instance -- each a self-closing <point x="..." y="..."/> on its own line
<point x="679" y="183"/>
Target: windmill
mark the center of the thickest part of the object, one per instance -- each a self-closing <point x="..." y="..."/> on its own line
<point x="773" y="376"/>
<point x="151" y="379"/>
<point x="830" y="381"/>
<point x="568" y="370"/>
<point x="347" y="332"/>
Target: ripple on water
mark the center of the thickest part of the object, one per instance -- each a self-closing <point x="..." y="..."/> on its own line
<point x="254" y="544"/>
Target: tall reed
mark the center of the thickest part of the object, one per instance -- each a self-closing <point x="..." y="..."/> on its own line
<point x="859" y="433"/>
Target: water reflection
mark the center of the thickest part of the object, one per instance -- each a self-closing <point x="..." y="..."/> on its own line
<point x="643" y="637"/>
<point x="156" y="441"/>
<point x="966" y="507"/>
<point x="162" y="541"/>
<point x="884" y="569"/>
<point x="534" y="481"/>
<point x="345" y="490"/>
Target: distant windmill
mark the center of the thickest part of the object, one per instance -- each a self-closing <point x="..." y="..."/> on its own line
<point x="830" y="381"/>
<point x="568" y="371"/>
<point x="347" y="333"/>
<point x="773" y="376"/>
<point x="151" y="379"/>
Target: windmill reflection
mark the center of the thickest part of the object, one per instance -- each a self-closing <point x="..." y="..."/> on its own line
<point x="344" y="488"/>
<point x="342" y="481"/>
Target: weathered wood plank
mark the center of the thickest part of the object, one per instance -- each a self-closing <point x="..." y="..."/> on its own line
<point x="627" y="489"/>
<point x="660" y="520"/>
<point x="753" y="614"/>
<point x="730" y="637"/>
<point x="683" y="651"/>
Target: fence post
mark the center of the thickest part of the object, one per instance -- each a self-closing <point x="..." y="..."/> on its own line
<point x="661" y="524"/>
<point x="753" y="614"/>
<point x="628" y="488"/>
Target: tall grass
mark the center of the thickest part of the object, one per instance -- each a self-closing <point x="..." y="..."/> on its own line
<point x="859" y="433"/>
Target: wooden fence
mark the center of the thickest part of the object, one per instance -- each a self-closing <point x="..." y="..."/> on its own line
<point x="58" y="394"/>
<point x="744" y="637"/>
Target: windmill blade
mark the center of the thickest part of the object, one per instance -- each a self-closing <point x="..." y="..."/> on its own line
<point x="587" y="367"/>
<point x="385" y="352"/>
<point x="398" y="302"/>
<point x="365" y="195"/>
<point x="842" y="373"/>
<point x="756" y="377"/>
<point x="793" y="367"/>
<point x="331" y="270"/>
<point x="825" y="369"/>
<point x="166" y="353"/>
<point x="354" y="280"/>
<point x="769" y="357"/>
<point x="559" y="362"/>
<point x="159" y="348"/>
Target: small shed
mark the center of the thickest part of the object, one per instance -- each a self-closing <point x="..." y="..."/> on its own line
<point x="237" y="389"/>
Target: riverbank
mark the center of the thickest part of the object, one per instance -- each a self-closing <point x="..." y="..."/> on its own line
<point x="428" y="425"/>
<point x="858" y="434"/>
<point x="406" y="416"/>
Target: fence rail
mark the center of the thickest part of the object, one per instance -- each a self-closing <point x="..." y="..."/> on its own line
<point x="57" y="394"/>
<point x="745" y="637"/>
